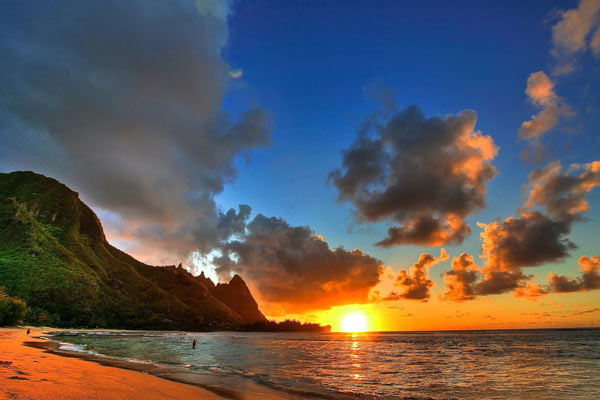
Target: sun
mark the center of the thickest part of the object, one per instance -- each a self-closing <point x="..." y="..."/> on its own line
<point x="354" y="322"/>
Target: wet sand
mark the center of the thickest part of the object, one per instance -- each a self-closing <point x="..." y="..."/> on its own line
<point x="36" y="372"/>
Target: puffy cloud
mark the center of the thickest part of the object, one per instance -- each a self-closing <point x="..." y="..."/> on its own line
<point x="540" y="90"/>
<point x="562" y="194"/>
<point x="589" y="279"/>
<point x="427" y="230"/>
<point x="570" y="34"/>
<point x="531" y="291"/>
<point x="461" y="279"/>
<point x="570" y="37"/>
<point x="123" y="102"/>
<point x="534" y="237"/>
<point x="415" y="284"/>
<point x="573" y="34"/>
<point x="527" y="240"/>
<point x="427" y="174"/>
<point x="498" y="281"/>
<point x="290" y="266"/>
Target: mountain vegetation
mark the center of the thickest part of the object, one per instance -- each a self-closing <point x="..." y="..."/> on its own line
<point x="55" y="257"/>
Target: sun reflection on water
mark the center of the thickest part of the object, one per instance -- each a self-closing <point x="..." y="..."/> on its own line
<point x="355" y="357"/>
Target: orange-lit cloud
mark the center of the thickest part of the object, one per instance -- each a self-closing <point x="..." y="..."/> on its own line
<point x="531" y="291"/>
<point x="427" y="174"/>
<point x="595" y="43"/>
<point x="461" y="279"/>
<point x="587" y="311"/>
<point x="533" y="238"/>
<point x="414" y="284"/>
<point x="570" y="35"/>
<point x="296" y="270"/>
<point x="589" y="279"/>
<point x="428" y="231"/>
<point x="540" y="90"/>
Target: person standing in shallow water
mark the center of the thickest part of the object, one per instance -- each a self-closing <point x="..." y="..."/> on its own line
<point x="194" y="344"/>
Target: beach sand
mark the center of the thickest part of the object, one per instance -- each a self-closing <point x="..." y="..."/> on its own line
<point x="31" y="373"/>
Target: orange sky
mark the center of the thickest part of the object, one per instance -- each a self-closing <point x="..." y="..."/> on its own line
<point x="580" y="309"/>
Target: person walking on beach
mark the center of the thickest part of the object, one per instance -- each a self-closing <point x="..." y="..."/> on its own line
<point x="194" y="344"/>
<point x="28" y="331"/>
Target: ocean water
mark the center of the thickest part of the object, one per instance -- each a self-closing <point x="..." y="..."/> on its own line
<point x="523" y="364"/>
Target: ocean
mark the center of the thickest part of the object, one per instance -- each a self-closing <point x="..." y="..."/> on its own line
<point x="503" y="364"/>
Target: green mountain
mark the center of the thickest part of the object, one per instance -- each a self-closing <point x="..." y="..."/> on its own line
<point x="55" y="257"/>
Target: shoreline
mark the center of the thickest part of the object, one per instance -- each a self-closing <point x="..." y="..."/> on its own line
<point x="34" y="368"/>
<point x="244" y="389"/>
<point x="49" y="345"/>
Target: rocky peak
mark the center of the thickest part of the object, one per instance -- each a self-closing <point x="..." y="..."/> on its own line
<point x="237" y="296"/>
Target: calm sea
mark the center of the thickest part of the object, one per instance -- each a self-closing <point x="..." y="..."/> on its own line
<point x="524" y="364"/>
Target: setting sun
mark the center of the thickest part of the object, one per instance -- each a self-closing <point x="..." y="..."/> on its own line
<point x="354" y="323"/>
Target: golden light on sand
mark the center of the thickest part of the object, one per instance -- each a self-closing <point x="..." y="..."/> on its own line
<point x="354" y="322"/>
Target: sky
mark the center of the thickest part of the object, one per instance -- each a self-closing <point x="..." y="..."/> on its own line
<point x="429" y="165"/>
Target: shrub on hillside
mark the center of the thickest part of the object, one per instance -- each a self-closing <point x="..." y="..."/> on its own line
<point x="12" y="309"/>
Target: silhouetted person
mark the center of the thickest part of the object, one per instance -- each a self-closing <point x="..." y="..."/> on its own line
<point x="28" y="331"/>
<point x="194" y="344"/>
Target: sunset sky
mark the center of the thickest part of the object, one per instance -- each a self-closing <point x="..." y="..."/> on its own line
<point x="430" y="166"/>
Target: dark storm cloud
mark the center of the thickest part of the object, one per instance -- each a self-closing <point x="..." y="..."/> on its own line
<point x="415" y="283"/>
<point x="427" y="174"/>
<point x="588" y="280"/>
<point x="123" y="101"/>
<point x="292" y="267"/>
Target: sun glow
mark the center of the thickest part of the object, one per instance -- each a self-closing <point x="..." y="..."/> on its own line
<point x="354" y="323"/>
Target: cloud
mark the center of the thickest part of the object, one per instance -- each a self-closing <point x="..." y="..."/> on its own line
<point x="415" y="284"/>
<point x="123" y="102"/>
<point x="532" y="238"/>
<point x="595" y="43"/>
<point x="589" y="279"/>
<point x="498" y="282"/>
<point x="570" y="35"/>
<point x="427" y="174"/>
<point x="297" y="270"/>
<point x="578" y="29"/>
<point x="563" y="194"/>
<point x="427" y="230"/>
<point x="528" y="240"/>
<point x="540" y="90"/>
<point x="461" y="279"/>
<point x="586" y="311"/>
<point x="531" y="291"/>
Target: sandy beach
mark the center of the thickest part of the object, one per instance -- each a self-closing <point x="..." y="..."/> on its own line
<point x="30" y="373"/>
